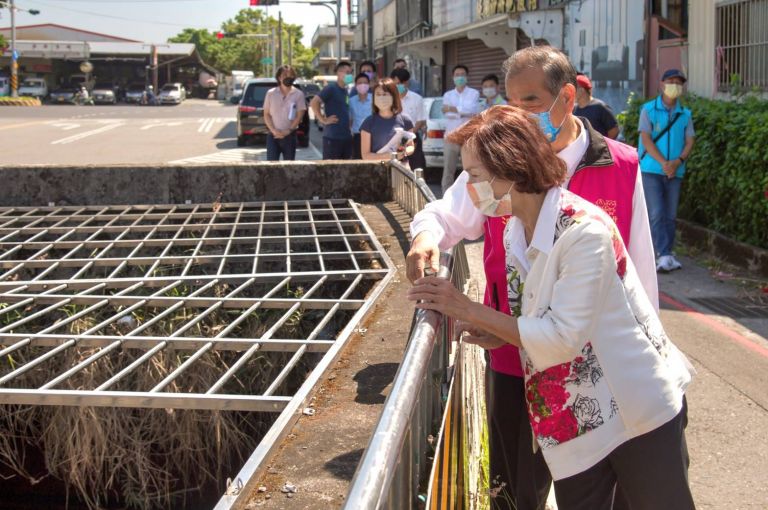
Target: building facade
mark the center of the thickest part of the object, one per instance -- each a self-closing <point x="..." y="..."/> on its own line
<point x="324" y="39"/>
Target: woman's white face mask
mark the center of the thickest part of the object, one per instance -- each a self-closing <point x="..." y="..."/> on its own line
<point x="383" y="102"/>
<point x="482" y="196"/>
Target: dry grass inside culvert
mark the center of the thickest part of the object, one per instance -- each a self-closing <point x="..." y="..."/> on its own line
<point x="147" y="458"/>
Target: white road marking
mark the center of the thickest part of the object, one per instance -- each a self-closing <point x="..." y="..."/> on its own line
<point x="160" y="124"/>
<point x="85" y="134"/>
<point x="65" y="125"/>
<point x="316" y="151"/>
<point x="206" y="126"/>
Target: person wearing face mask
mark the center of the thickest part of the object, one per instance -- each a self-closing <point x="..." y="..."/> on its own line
<point x="541" y="81"/>
<point x="414" y="85"/>
<point x="284" y="108"/>
<point x="604" y="385"/>
<point x="337" y="135"/>
<point x="384" y="132"/>
<point x="490" y="90"/>
<point x="666" y="142"/>
<point x="360" y="108"/>
<point x="459" y="105"/>
<point x="413" y="106"/>
<point x="367" y="68"/>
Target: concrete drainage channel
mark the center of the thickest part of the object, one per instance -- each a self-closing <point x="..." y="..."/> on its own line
<point x="156" y="355"/>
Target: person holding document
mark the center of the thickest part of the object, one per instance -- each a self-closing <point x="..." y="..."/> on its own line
<point x="388" y="130"/>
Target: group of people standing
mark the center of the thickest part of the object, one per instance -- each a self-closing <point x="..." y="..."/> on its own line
<point x="584" y="387"/>
<point x="367" y="117"/>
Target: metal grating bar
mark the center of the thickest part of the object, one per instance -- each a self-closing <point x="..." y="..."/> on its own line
<point x="134" y="290"/>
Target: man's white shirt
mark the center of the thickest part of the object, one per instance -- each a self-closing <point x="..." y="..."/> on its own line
<point x="467" y="102"/>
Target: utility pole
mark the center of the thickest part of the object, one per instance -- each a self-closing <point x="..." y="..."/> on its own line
<point x="290" y="48"/>
<point x="274" y="47"/>
<point x="369" y="13"/>
<point x="280" y="56"/>
<point x="338" y="30"/>
<point x="14" y="55"/>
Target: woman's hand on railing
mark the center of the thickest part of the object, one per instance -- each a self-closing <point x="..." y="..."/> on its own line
<point x="477" y="336"/>
<point x="424" y="253"/>
<point x="439" y="294"/>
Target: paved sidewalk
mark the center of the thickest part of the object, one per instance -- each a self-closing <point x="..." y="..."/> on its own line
<point x="728" y="401"/>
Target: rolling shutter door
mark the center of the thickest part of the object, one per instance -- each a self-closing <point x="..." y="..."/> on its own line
<point x="481" y="60"/>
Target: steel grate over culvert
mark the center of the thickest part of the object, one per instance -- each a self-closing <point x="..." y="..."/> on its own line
<point x="125" y="306"/>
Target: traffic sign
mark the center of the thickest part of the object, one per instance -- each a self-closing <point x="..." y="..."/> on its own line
<point x="266" y="61"/>
<point x="15" y="55"/>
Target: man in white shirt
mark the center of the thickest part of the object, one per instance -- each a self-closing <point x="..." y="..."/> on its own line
<point x="413" y="106"/>
<point x="542" y="81"/>
<point x="459" y="105"/>
<point x="284" y="108"/>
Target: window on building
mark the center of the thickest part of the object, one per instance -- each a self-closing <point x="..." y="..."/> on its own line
<point x="674" y="12"/>
<point x="741" y="52"/>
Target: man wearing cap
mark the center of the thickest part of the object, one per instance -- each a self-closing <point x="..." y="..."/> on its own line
<point x="594" y="110"/>
<point x="666" y="142"/>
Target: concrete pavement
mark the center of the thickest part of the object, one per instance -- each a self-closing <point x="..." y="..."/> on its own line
<point x="196" y="131"/>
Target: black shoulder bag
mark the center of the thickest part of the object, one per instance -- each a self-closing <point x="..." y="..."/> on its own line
<point x="661" y="133"/>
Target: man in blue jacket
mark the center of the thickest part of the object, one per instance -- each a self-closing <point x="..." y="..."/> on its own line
<point x="666" y="142"/>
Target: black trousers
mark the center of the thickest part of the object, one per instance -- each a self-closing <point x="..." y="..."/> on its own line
<point x="356" y="150"/>
<point x="337" y="149"/>
<point x="652" y="471"/>
<point x="519" y="478"/>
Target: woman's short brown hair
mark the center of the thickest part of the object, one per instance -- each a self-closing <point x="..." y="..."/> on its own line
<point x="512" y="147"/>
<point x="389" y="85"/>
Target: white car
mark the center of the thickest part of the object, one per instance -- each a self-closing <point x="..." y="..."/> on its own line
<point x="172" y="93"/>
<point x="432" y="145"/>
<point x="34" y="87"/>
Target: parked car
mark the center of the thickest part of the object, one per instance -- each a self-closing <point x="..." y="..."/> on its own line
<point x="250" y="113"/>
<point x="5" y="86"/>
<point x="104" y="93"/>
<point x="64" y="94"/>
<point x="172" y="93"/>
<point x="34" y="87"/>
<point x="134" y="92"/>
<point x="433" y="140"/>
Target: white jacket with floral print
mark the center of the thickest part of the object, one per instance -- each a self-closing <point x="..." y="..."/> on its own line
<point x="599" y="368"/>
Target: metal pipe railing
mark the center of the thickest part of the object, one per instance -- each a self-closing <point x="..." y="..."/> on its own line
<point x="395" y="461"/>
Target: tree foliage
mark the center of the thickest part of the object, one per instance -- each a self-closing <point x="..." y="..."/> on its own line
<point x="245" y="53"/>
<point x="3" y="43"/>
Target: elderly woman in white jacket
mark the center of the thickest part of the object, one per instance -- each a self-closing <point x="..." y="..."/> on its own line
<point x="604" y="385"/>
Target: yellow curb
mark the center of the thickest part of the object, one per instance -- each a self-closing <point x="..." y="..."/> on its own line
<point x="20" y="102"/>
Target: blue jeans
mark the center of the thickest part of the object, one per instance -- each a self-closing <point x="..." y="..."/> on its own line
<point x="285" y="146"/>
<point x="661" y="196"/>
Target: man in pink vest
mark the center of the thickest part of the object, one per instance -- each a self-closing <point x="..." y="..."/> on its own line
<point x="542" y="81"/>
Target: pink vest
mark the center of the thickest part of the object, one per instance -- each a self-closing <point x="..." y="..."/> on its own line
<point x="608" y="181"/>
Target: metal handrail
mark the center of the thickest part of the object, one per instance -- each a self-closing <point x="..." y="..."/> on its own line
<point x="395" y="460"/>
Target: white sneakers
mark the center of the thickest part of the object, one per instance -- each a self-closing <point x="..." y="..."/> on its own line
<point x="667" y="263"/>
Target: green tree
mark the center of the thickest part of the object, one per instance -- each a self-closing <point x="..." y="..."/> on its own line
<point x="3" y="43"/>
<point x="245" y="53"/>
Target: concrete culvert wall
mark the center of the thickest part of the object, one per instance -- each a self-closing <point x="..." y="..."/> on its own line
<point x="166" y="184"/>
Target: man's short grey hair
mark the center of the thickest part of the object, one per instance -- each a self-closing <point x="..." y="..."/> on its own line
<point x="555" y="64"/>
